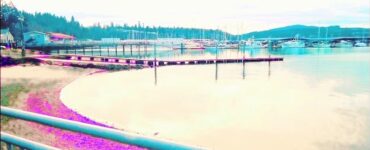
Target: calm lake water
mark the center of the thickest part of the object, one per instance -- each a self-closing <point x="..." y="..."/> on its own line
<point x="316" y="99"/>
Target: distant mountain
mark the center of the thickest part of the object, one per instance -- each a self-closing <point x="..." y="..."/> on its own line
<point x="309" y="32"/>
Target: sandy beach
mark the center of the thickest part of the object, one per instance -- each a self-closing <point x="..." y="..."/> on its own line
<point x="37" y="90"/>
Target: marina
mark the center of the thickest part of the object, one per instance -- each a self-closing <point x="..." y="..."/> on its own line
<point x="143" y="45"/>
<point x="185" y="75"/>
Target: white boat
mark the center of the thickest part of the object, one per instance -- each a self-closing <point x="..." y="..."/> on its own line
<point x="251" y="43"/>
<point x="343" y="44"/>
<point x="360" y="44"/>
<point x="228" y="45"/>
<point x="293" y="44"/>
<point x="322" y="45"/>
<point x="191" y="45"/>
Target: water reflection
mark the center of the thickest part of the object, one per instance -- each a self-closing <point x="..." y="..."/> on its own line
<point x="315" y="99"/>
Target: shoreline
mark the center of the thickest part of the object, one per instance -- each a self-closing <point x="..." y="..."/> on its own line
<point x="43" y="96"/>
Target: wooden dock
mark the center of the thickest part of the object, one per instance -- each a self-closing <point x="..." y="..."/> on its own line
<point x="151" y="63"/>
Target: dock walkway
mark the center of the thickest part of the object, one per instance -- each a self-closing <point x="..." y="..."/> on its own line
<point x="151" y="62"/>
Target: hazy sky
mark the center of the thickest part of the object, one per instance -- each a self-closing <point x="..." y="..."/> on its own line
<point x="234" y="16"/>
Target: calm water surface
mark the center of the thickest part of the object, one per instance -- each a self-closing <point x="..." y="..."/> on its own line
<point x="315" y="99"/>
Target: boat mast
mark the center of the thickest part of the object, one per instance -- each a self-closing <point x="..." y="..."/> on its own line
<point x="326" y="34"/>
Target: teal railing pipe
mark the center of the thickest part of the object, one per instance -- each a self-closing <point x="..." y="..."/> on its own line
<point x="103" y="132"/>
<point x="11" y="140"/>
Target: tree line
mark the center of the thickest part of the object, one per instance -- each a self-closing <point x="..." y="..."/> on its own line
<point x="46" y="22"/>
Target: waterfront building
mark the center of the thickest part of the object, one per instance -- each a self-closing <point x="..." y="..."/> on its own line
<point x="35" y="38"/>
<point x="6" y="38"/>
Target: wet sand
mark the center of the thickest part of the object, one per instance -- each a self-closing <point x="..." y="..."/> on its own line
<point x="43" y="84"/>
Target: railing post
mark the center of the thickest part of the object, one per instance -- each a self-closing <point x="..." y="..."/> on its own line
<point x="9" y="146"/>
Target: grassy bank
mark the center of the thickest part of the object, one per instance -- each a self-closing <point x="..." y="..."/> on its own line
<point x="10" y="61"/>
<point x="9" y="94"/>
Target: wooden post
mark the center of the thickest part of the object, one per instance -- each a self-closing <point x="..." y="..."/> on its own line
<point x="116" y="50"/>
<point x="123" y="50"/>
<point x="75" y="50"/>
<point x="182" y="48"/>
<point x="100" y="49"/>
<point x="155" y="64"/>
<point x="43" y="50"/>
<point x="131" y="49"/>
<point x="83" y="50"/>
<point x="216" y="73"/>
<point x="139" y="46"/>
<point x="108" y="50"/>
<point x="58" y="50"/>
<point x="269" y="66"/>
<point x="243" y="61"/>
<point x="145" y="48"/>
<point x="92" y="50"/>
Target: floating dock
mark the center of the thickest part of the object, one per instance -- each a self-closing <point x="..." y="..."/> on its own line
<point x="151" y="62"/>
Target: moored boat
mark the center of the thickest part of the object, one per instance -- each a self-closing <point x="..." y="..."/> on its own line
<point x="293" y="44"/>
<point x="343" y="44"/>
<point x="191" y="45"/>
<point x="360" y="44"/>
<point x="251" y="43"/>
<point x="322" y="45"/>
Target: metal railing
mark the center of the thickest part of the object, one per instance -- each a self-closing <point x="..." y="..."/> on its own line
<point x="12" y="141"/>
<point x="97" y="131"/>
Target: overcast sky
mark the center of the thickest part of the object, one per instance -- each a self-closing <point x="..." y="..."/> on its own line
<point x="235" y="16"/>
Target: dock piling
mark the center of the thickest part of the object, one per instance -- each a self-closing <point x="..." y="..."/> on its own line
<point x="100" y="50"/>
<point x="131" y="49"/>
<point x="123" y="50"/>
<point x="155" y="64"/>
<point x="216" y="63"/>
<point x="108" y="49"/>
<point x="269" y="73"/>
<point x="145" y="48"/>
<point x="116" y="51"/>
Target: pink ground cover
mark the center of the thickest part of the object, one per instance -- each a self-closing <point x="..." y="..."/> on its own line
<point x="38" y="103"/>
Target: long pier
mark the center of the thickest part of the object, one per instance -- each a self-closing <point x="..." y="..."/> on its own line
<point x="151" y="63"/>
